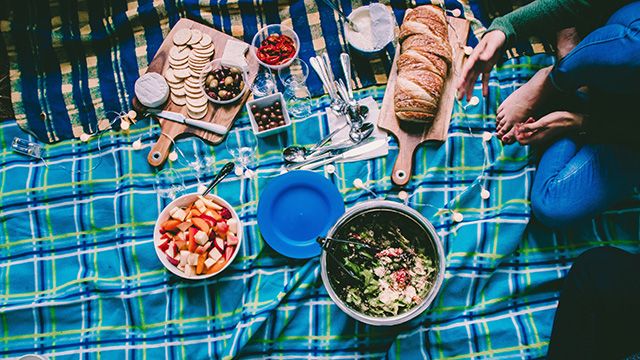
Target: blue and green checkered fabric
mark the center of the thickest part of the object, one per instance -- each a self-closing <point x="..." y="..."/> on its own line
<point x="81" y="279"/>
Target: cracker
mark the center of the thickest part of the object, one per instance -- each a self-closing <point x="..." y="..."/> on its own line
<point x="196" y="102"/>
<point x="181" y="74"/>
<point x="196" y="36"/>
<point x="205" y="41"/>
<point x="197" y="109"/>
<point x="197" y="116"/>
<point x="170" y="77"/>
<point x="176" y="54"/>
<point x="182" y="37"/>
<point x="178" y="100"/>
<point x="178" y="91"/>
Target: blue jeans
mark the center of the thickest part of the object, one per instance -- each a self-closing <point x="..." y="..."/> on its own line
<point x="577" y="180"/>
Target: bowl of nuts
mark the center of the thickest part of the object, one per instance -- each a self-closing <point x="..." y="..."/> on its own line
<point x="223" y="84"/>
<point x="268" y="115"/>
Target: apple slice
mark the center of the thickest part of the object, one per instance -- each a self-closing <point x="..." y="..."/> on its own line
<point x="233" y="225"/>
<point x="164" y="246"/>
<point x="220" y="243"/>
<point x="232" y="239"/>
<point x="228" y="252"/>
<point x="222" y="228"/>
<point x="171" y="251"/>
<point x="173" y="261"/>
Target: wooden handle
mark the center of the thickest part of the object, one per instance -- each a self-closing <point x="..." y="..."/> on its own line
<point x="404" y="165"/>
<point x="160" y="151"/>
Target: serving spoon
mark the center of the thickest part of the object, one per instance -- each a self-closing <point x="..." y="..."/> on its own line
<point x="226" y="170"/>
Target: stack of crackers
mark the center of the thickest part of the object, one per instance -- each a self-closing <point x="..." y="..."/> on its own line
<point x="191" y="52"/>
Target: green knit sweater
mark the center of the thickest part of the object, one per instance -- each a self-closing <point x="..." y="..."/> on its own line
<point x="547" y="17"/>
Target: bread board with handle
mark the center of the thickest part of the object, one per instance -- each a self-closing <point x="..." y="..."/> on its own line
<point x="219" y="114"/>
<point x="411" y="135"/>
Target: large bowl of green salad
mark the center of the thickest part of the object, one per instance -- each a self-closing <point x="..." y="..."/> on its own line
<point x="389" y="266"/>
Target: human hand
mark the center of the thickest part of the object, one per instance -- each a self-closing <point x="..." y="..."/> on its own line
<point x="484" y="56"/>
<point x="548" y="127"/>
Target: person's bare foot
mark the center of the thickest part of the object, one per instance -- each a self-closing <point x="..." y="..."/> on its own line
<point x="547" y="128"/>
<point x="522" y="104"/>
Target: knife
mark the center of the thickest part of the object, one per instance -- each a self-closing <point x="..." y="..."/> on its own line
<point x="179" y="118"/>
<point x="361" y="150"/>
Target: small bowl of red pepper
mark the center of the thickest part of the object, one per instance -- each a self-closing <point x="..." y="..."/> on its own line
<point x="275" y="46"/>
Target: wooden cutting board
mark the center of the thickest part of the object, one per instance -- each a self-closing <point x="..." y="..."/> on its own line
<point x="219" y="114"/>
<point x="410" y="135"/>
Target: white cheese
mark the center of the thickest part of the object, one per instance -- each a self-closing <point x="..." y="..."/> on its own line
<point x="210" y="204"/>
<point x="179" y="214"/>
<point x="209" y="262"/>
<point x="234" y="55"/>
<point x="201" y="237"/>
<point x="215" y="254"/>
<point x="189" y="270"/>
<point x="152" y="90"/>
<point x="199" y="204"/>
<point x="193" y="259"/>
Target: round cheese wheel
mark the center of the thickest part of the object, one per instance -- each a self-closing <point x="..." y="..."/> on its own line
<point x="152" y="90"/>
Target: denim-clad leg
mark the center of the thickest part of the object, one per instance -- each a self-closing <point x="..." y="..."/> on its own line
<point x="608" y="59"/>
<point x="576" y="181"/>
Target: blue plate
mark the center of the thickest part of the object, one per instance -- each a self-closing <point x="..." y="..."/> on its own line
<point x="296" y="208"/>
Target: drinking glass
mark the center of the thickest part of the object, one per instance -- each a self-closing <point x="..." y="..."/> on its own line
<point x="242" y="145"/>
<point x="296" y="94"/>
<point x="169" y="184"/>
<point x="264" y="84"/>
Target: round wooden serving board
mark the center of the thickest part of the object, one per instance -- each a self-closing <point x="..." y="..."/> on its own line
<point x="410" y="135"/>
<point x="219" y="114"/>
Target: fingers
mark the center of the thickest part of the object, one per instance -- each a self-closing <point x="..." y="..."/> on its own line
<point x="485" y="84"/>
<point x="532" y="126"/>
<point x="469" y="72"/>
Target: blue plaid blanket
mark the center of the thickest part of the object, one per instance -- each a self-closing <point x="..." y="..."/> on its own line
<point x="80" y="275"/>
<point x="81" y="278"/>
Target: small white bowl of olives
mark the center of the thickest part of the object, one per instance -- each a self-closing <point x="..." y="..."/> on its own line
<point x="223" y="84"/>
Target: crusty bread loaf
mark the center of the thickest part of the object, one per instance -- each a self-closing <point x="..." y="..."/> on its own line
<point x="423" y="64"/>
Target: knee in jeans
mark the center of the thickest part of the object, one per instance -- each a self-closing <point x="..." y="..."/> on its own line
<point x="550" y="213"/>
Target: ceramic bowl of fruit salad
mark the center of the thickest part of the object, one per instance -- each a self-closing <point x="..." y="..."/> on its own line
<point x="197" y="237"/>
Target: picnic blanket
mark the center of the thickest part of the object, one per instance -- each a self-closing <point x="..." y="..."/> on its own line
<point x="81" y="279"/>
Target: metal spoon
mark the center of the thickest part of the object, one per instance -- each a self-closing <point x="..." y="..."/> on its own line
<point x="351" y="24"/>
<point x="226" y="170"/>
<point x="361" y="133"/>
<point x="345" y="61"/>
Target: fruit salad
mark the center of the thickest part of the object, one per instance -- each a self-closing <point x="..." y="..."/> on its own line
<point x="200" y="238"/>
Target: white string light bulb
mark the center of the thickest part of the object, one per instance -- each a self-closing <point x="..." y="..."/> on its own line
<point x="173" y="156"/>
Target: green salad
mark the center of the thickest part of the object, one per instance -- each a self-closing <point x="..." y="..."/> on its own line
<point x="390" y="273"/>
